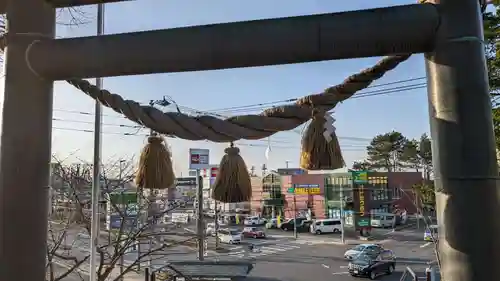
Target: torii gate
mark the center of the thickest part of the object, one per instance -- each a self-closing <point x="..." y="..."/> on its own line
<point x="449" y="33"/>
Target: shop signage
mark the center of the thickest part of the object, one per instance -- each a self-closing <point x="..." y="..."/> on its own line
<point x="361" y="194"/>
<point x="191" y="181"/>
<point x="198" y="159"/>
<point x="306" y="184"/>
<point x="360" y="177"/>
<point x="305" y="189"/>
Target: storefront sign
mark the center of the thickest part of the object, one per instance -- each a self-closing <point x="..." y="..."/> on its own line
<point x="305" y="189"/>
<point x="361" y="199"/>
<point x="361" y="194"/>
<point x="198" y="159"/>
<point x="307" y="184"/>
<point x="360" y="177"/>
<point x="191" y="181"/>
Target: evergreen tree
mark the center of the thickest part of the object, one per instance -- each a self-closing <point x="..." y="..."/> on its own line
<point x="385" y="151"/>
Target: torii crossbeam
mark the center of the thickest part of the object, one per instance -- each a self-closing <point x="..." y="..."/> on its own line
<point x="450" y="34"/>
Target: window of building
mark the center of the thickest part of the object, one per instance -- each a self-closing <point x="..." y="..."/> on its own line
<point x="396" y="193"/>
<point x="379" y="188"/>
<point x="337" y="187"/>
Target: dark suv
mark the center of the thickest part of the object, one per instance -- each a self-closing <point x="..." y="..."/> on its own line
<point x="373" y="264"/>
<point x="302" y="225"/>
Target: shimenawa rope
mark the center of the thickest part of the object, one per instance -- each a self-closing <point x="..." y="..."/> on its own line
<point x="249" y="127"/>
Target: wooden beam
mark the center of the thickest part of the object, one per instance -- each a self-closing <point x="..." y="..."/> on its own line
<point x="374" y="32"/>
<point x="64" y="3"/>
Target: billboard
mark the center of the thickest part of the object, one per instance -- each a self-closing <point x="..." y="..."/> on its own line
<point x="361" y="199"/>
<point x="306" y="184"/>
<point x="127" y="204"/>
<point x="198" y="158"/>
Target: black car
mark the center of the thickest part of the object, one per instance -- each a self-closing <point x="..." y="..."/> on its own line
<point x="302" y="225"/>
<point x="373" y="264"/>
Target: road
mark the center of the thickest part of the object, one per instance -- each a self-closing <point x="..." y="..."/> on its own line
<point x="280" y="257"/>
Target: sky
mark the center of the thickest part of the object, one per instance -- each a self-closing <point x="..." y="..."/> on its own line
<point x="357" y="120"/>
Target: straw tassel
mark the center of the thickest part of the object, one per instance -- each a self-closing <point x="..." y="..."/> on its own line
<point x="232" y="183"/>
<point x="155" y="165"/>
<point x="320" y="145"/>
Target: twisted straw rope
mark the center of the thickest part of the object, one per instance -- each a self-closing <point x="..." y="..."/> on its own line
<point x="249" y="127"/>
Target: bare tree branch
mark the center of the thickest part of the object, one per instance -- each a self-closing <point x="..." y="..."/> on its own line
<point x="136" y="227"/>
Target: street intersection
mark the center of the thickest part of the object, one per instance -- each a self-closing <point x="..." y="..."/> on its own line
<point x="281" y="257"/>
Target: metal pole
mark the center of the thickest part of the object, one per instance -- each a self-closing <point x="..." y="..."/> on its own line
<point x="96" y="177"/>
<point x="199" y="225"/>
<point x="150" y="258"/>
<point x="216" y="223"/>
<point x="466" y="171"/>
<point x="139" y="219"/>
<point x="25" y="146"/>
<point x="294" y="216"/>
<point x="342" y="216"/>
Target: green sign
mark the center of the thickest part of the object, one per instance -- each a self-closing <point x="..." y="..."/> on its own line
<point x="363" y="222"/>
<point x="360" y="177"/>
<point x="291" y="190"/>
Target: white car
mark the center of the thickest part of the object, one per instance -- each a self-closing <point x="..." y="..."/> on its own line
<point x="210" y="230"/>
<point x="354" y="252"/>
<point x="254" y="221"/>
<point x="229" y="236"/>
<point x="272" y="223"/>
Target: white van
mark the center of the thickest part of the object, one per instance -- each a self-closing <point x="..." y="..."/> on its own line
<point x="326" y="226"/>
<point x="383" y="220"/>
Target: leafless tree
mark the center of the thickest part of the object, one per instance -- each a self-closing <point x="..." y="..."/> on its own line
<point x="133" y="224"/>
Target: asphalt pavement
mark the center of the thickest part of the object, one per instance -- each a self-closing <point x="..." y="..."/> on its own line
<point x="281" y="257"/>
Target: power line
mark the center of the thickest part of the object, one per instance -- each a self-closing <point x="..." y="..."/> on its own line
<point x="358" y="95"/>
<point x="139" y="127"/>
<point x="249" y="110"/>
<point x="145" y="135"/>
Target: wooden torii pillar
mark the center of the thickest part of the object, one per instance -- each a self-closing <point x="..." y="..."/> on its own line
<point x="460" y="111"/>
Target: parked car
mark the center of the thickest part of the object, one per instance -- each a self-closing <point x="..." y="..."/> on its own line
<point x="255" y="220"/>
<point x="229" y="236"/>
<point x="302" y="224"/>
<point x="326" y="226"/>
<point x="383" y="220"/>
<point x="253" y="232"/>
<point x="272" y="223"/>
<point x="372" y="264"/>
<point x="431" y="233"/>
<point x="361" y="248"/>
<point x="210" y="230"/>
<point x="210" y="213"/>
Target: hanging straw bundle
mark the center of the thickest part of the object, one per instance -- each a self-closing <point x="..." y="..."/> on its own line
<point x="155" y="165"/>
<point x="232" y="183"/>
<point x="320" y="151"/>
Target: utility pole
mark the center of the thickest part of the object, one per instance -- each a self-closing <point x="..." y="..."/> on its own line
<point x="342" y="216"/>
<point x="295" y="234"/>
<point x="96" y="176"/>
<point x="216" y="224"/>
<point x="466" y="172"/>
<point x="120" y="172"/>
<point x="200" y="226"/>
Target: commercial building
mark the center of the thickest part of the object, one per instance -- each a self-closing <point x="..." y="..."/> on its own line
<point x="324" y="195"/>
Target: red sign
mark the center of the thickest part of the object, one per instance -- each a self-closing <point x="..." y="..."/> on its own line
<point x="195" y="159"/>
